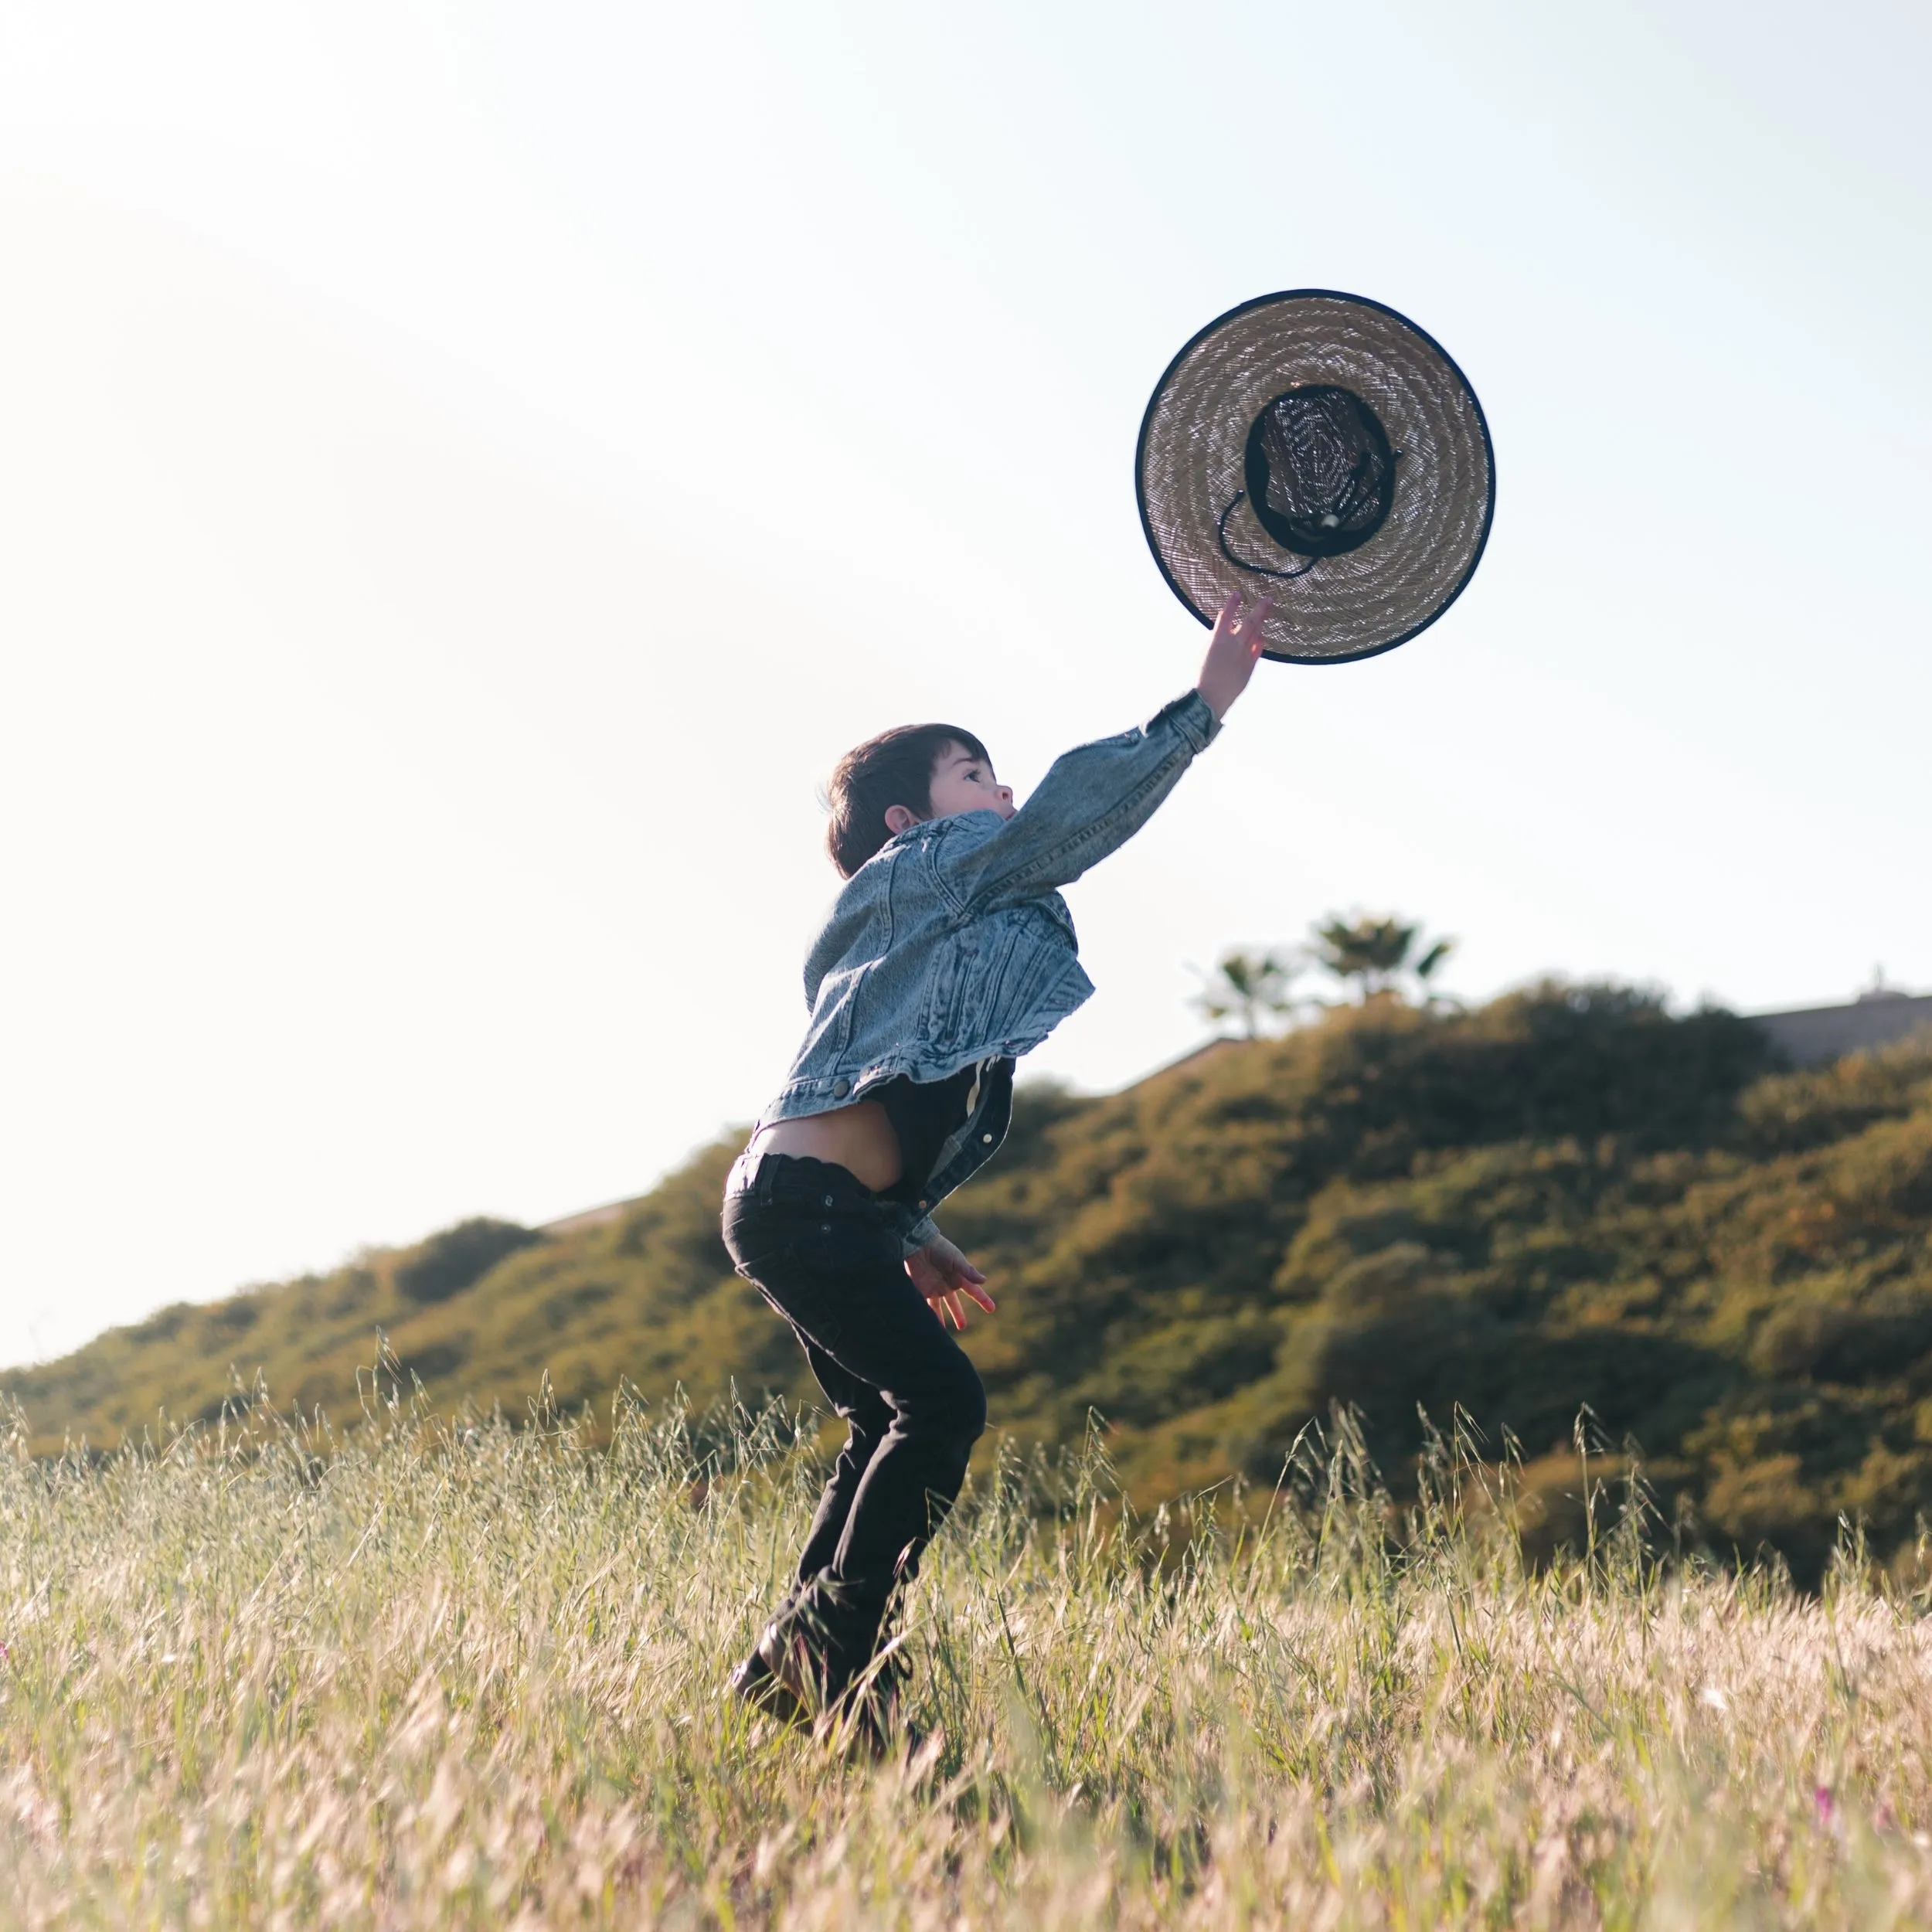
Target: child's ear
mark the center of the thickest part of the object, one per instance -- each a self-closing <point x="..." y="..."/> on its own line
<point x="898" y="817"/>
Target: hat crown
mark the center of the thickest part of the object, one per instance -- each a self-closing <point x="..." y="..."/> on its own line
<point x="1320" y="475"/>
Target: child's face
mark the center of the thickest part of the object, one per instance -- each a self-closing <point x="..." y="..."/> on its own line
<point x="963" y="783"/>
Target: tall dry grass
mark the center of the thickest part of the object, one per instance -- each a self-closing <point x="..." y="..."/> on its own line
<point x="414" y="1674"/>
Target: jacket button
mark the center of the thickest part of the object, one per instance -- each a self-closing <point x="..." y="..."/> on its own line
<point x="923" y="1205"/>
<point x="987" y="1138"/>
<point x="840" y="1088"/>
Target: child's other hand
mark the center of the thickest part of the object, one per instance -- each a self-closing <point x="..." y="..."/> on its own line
<point x="942" y="1275"/>
<point x="1232" y="652"/>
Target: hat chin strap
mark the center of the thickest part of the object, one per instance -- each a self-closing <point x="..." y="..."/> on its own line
<point x="1253" y="570"/>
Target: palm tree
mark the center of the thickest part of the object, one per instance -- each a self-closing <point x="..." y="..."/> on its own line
<point x="1246" y="986"/>
<point x="1375" y="953"/>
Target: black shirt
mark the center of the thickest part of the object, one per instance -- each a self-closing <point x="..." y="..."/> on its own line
<point x="924" y="1114"/>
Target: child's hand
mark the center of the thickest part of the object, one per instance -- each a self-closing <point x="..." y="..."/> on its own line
<point x="942" y="1275"/>
<point x="1232" y="652"/>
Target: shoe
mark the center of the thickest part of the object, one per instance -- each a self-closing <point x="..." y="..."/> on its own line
<point x="776" y="1678"/>
<point x="882" y="1734"/>
<point x="867" y="1717"/>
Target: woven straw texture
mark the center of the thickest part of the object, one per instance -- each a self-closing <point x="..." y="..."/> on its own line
<point x="1189" y="469"/>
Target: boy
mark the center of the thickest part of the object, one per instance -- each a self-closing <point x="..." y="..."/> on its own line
<point x="948" y="954"/>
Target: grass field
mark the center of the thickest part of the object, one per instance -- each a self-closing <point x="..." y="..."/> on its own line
<point x="420" y="1674"/>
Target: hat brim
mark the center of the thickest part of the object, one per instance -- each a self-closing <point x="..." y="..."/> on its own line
<point x="1187" y="470"/>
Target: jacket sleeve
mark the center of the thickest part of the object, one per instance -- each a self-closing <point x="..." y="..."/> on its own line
<point x="1092" y="801"/>
<point x="917" y="1236"/>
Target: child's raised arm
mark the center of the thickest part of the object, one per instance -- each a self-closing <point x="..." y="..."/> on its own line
<point x="1095" y="797"/>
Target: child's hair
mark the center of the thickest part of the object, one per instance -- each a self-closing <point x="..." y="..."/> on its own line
<point x="895" y="768"/>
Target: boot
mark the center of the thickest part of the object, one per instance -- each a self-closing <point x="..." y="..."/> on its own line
<point x="784" y="1675"/>
<point x="774" y="1688"/>
<point x="867" y="1717"/>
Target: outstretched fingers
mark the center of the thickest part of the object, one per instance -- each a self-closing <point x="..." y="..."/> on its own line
<point x="942" y="1275"/>
<point x="1242" y="624"/>
<point x="1232" y="651"/>
<point x="1252" y="627"/>
<point x="963" y="1278"/>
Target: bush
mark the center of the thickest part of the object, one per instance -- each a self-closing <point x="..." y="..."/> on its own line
<point x="460" y="1257"/>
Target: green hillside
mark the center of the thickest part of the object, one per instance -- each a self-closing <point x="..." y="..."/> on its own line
<point x="1565" y="1197"/>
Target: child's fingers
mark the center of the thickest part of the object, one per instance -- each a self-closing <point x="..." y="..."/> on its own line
<point x="1230" y="609"/>
<point x="980" y="1295"/>
<point x="1249" y="628"/>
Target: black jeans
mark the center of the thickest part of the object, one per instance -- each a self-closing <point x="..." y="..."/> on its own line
<point x="817" y="1245"/>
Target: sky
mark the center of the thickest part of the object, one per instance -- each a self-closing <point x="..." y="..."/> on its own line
<point x="466" y="471"/>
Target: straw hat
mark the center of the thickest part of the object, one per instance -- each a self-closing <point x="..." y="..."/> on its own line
<point x="1322" y="448"/>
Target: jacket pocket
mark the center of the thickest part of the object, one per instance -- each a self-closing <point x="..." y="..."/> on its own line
<point x="950" y="990"/>
<point x="1023" y="969"/>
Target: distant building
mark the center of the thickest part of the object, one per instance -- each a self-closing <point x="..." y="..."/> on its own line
<point x="1813" y="1035"/>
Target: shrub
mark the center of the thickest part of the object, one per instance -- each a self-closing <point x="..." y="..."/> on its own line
<point x="460" y="1257"/>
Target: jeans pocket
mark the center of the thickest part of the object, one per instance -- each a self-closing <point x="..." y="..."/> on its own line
<point x="756" y="1234"/>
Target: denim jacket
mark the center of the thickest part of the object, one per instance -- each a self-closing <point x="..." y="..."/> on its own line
<point x="950" y="945"/>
